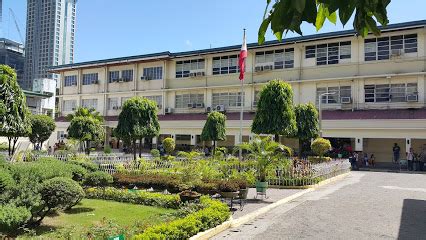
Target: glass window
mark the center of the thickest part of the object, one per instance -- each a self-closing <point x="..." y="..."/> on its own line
<point x="70" y="81"/>
<point x="228" y="99"/>
<point x="410" y="43"/>
<point x="69" y="105"/>
<point x="395" y="92"/>
<point x="90" y="78"/>
<point x="380" y="48"/>
<point x="153" y="73"/>
<point x="113" y="104"/>
<point x="185" y="100"/>
<point x="279" y="59"/>
<point x="113" y="76"/>
<point x="89" y="103"/>
<point x="183" y="68"/>
<point x="127" y="75"/>
<point x="339" y="92"/>
<point x="329" y="53"/>
<point x="225" y="65"/>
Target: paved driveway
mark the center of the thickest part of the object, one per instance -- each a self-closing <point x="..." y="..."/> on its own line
<point x="364" y="205"/>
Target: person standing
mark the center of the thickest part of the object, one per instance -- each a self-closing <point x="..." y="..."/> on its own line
<point x="410" y="159"/>
<point x="396" y="150"/>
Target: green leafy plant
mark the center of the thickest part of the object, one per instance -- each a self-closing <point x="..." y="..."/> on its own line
<point x="228" y="186"/>
<point x="307" y="124"/>
<point x="214" y="129"/>
<point x="98" y="179"/>
<point x="320" y="146"/>
<point x="275" y="112"/>
<point x="155" y="153"/>
<point x="107" y="150"/>
<point x="86" y="129"/>
<point x="288" y="16"/>
<point x="169" y="145"/>
<point x="42" y="127"/>
<point x="12" y="217"/>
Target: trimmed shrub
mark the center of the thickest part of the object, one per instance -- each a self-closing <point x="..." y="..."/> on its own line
<point x="12" y="217"/>
<point x="320" y="146"/>
<point x="89" y="166"/>
<point x="62" y="193"/>
<point x="137" y="197"/>
<point x="6" y="180"/>
<point x="79" y="173"/>
<point x="212" y="215"/>
<point x="169" y="145"/>
<point x="98" y="179"/>
<point x="43" y="169"/>
<point x="155" y="152"/>
<point x="157" y="181"/>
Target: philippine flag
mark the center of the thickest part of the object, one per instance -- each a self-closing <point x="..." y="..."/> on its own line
<point x="243" y="56"/>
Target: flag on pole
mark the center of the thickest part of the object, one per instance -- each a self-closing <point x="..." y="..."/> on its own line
<point x="243" y="56"/>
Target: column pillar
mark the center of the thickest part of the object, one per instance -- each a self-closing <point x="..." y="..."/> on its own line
<point x="359" y="144"/>
<point x="407" y="144"/>
<point x="237" y="139"/>
<point x="193" y="139"/>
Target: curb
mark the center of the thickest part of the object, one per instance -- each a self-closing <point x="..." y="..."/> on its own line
<point x="247" y="218"/>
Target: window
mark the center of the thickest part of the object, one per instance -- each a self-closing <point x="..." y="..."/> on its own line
<point x="227" y="99"/>
<point x="113" y="76"/>
<point x="127" y="75"/>
<point x="153" y="73"/>
<point x="225" y="64"/>
<point x="113" y="104"/>
<point x="183" y="101"/>
<point x="279" y="58"/>
<point x="69" y="105"/>
<point x="340" y="91"/>
<point x="90" y="78"/>
<point x="158" y="99"/>
<point x="183" y="68"/>
<point x="89" y="103"/>
<point x="70" y="80"/>
<point x="329" y="53"/>
<point x="395" y="92"/>
<point x="381" y="48"/>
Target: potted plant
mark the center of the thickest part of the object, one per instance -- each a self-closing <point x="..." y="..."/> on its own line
<point x="228" y="189"/>
<point x="243" y="188"/>
<point x="189" y="196"/>
<point x="266" y="152"/>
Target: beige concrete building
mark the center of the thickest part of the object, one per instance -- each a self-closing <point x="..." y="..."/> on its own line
<point x="379" y="86"/>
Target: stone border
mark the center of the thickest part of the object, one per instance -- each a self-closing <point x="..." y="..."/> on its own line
<point x="249" y="217"/>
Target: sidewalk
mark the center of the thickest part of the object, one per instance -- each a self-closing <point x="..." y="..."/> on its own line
<point x="251" y="204"/>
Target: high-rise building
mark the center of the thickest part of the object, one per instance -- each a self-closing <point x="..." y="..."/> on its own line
<point x="12" y="54"/>
<point x="49" y="38"/>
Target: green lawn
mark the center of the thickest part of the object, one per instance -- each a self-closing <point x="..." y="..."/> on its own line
<point x="92" y="212"/>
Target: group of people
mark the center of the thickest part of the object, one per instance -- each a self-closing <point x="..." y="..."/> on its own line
<point x="415" y="161"/>
<point x="358" y="161"/>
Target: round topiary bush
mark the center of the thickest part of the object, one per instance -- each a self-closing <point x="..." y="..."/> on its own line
<point x="12" y="217"/>
<point x="62" y="193"/>
<point x="6" y="180"/>
<point x="78" y="172"/>
<point x="169" y="145"/>
<point x="98" y="179"/>
<point x="320" y="146"/>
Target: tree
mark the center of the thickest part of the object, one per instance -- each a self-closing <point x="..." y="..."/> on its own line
<point x="320" y="146"/>
<point x="85" y="112"/>
<point x="275" y="112"/>
<point x="138" y="120"/>
<point x="86" y="129"/>
<point x="169" y="145"/>
<point x="14" y="122"/>
<point x="214" y="129"/>
<point x="288" y="15"/>
<point x="307" y="124"/>
<point x="42" y="127"/>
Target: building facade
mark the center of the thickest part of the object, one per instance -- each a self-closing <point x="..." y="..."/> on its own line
<point x="378" y="85"/>
<point x="12" y="54"/>
<point x="50" y="31"/>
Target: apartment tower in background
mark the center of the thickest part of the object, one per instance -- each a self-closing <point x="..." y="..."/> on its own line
<point x="49" y="39"/>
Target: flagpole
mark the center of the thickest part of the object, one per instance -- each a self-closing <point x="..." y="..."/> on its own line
<point x="242" y="111"/>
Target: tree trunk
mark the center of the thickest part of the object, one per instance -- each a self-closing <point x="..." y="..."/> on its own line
<point x="15" y="140"/>
<point x="9" y="139"/>
<point x="134" y="149"/>
<point x="88" y="147"/>
<point x="214" y="147"/>
<point x="140" y="147"/>
<point x="300" y="148"/>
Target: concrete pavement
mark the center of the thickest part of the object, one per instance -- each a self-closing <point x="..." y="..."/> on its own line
<point x="364" y="205"/>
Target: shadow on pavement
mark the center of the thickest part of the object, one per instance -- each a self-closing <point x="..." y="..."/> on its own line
<point x="413" y="220"/>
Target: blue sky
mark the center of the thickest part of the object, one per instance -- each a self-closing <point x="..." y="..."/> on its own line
<point x="115" y="28"/>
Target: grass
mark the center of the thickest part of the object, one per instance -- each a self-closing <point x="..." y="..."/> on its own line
<point x="92" y="212"/>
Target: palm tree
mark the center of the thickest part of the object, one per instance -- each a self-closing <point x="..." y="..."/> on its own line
<point x="85" y="112"/>
<point x="266" y="152"/>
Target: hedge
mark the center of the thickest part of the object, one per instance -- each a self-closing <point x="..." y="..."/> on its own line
<point x="156" y="181"/>
<point x="212" y="215"/>
<point x="138" y="197"/>
<point x="12" y="217"/>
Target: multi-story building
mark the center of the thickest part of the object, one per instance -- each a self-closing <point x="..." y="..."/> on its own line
<point x="378" y="84"/>
<point x="12" y="54"/>
<point x="49" y="38"/>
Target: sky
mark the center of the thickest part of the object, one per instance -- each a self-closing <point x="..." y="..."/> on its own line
<point x="117" y="28"/>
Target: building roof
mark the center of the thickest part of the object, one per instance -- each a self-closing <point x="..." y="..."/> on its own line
<point x="37" y="94"/>
<point x="287" y="41"/>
